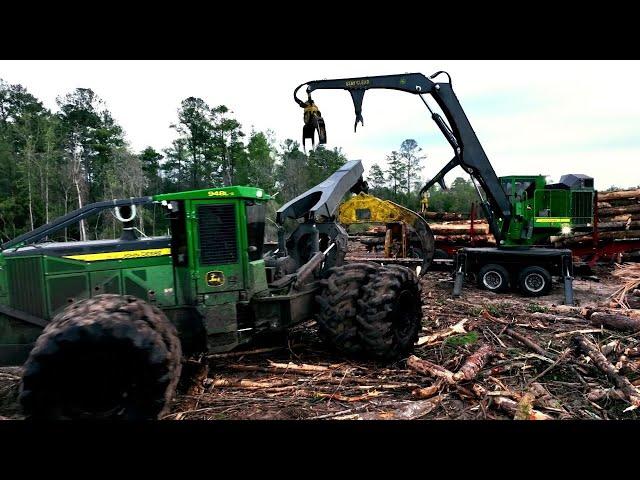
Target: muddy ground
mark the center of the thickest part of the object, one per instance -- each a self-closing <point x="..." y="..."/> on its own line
<point x="543" y="374"/>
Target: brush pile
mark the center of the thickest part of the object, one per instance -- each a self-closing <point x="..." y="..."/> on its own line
<point x="628" y="295"/>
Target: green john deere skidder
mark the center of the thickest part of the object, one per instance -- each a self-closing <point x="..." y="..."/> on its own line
<point x="103" y="324"/>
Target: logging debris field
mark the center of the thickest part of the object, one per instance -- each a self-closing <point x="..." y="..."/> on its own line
<point x="480" y="356"/>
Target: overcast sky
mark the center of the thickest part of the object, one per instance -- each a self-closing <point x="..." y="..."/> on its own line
<point x="532" y="117"/>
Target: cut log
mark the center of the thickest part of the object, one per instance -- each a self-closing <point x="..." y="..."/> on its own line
<point x="619" y="210"/>
<point x="615" y="321"/>
<point x="425" y="367"/>
<point x="442" y="215"/>
<point x="625" y="225"/>
<point x="604" y="205"/>
<point x="474" y="363"/>
<point x="620" y="218"/>
<point x="600" y="361"/>
<point x="618" y="195"/>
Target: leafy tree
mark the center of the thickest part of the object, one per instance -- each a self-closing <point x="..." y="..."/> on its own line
<point x="410" y="153"/>
<point x="396" y="172"/>
<point x="377" y="181"/>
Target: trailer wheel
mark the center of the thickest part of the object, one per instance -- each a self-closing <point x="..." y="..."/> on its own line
<point x="390" y="313"/>
<point x="110" y="356"/>
<point x="338" y="302"/>
<point x="493" y="277"/>
<point x="535" y="281"/>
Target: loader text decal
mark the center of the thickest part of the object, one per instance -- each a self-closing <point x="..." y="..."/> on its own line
<point x="357" y="83"/>
<point x="215" y="278"/>
<point x="219" y="193"/>
<point x="552" y="220"/>
<point x="93" y="257"/>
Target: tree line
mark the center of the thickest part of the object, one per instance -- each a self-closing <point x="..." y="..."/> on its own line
<point x="400" y="180"/>
<point x="54" y="162"/>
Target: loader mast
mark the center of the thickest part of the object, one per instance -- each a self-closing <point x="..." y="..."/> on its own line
<point x="468" y="152"/>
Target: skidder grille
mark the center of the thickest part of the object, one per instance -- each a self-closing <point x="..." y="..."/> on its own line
<point x="218" y="238"/>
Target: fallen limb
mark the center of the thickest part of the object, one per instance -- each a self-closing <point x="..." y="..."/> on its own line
<point x="409" y="411"/>
<point x="520" y="412"/>
<point x="427" y="392"/>
<point x="605" y="393"/>
<point x="433" y="338"/>
<point x="528" y="342"/>
<point x="485" y="314"/>
<point x="299" y="368"/>
<point x="343" y="398"/>
<point x="561" y="357"/>
<point x="550" y="317"/>
<point x="248" y="384"/>
<point x="632" y="352"/>
<point x="631" y="393"/>
<point x="425" y="367"/>
<point x="474" y="363"/>
<point x="249" y="352"/>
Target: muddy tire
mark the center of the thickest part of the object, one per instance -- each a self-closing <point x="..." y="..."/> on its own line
<point x="370" y="310"/>
<point x="338" y="302"/>
<point x="390" y="315"/>
<point x="109" y="356"/>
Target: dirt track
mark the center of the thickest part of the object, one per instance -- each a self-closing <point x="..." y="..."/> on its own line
<point x="546" y="375"/>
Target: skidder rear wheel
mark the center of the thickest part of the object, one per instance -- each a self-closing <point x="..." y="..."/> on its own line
<point x="109" y="356"/>
<point x="390" y="316"/>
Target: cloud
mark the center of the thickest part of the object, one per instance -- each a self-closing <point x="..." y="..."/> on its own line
<point x="550" y="117"/>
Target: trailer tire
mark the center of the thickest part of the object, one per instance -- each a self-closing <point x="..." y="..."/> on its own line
<point x="106" y="357"/>
<point x="535" y="281"/>
<point x="338" y="305"/>
<point x="390" y="315"/>
<point x="493" y="277"/>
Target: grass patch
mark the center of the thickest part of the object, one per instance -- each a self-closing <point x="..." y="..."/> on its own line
<point x="460" y="340"/>
<point x="535" y="308"/>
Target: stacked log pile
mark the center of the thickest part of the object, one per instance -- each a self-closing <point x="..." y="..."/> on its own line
<point x="458" y="233"/>
<point x="618" y="219"/>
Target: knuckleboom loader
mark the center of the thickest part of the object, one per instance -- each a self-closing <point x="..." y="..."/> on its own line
<point x="521" y="210"/>
<point x="104" y="324"/>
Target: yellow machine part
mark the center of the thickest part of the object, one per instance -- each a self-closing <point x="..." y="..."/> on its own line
<point x="365" y="208"/>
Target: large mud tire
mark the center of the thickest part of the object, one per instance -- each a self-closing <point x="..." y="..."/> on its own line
<point x="370" y="310"/>
<point x="390" y="317"/>
<point x="109" y="356"/>
<point x="338" y="302"/>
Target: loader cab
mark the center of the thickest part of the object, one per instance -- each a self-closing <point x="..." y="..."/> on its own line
<point x="217" y="240"/>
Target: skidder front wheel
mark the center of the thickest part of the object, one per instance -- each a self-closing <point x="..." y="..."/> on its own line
<point x="108" y="357"/>
<point x="338" y="302"/>
<point x="390" y="315"/>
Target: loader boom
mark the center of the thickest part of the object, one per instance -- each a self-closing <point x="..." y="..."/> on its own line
<point x="468" y="152"/>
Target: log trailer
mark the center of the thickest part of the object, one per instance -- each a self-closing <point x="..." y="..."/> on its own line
<point x="104" y="324"/>
<point x="520" y="210"/>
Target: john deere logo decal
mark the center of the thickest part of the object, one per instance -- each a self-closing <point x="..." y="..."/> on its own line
<point x="215" y="279"/>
